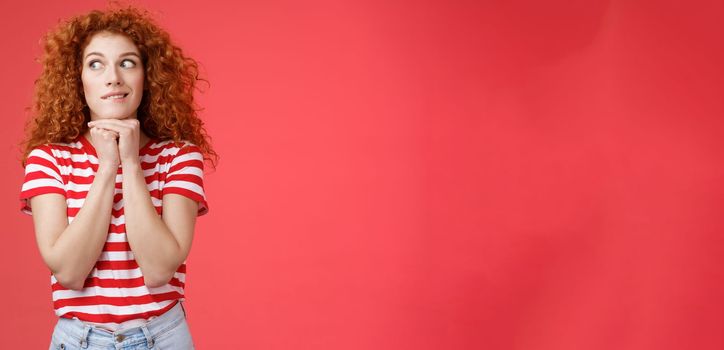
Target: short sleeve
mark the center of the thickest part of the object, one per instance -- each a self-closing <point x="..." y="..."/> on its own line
<point x="186" y="176"/>
<point x="42" y="175"/>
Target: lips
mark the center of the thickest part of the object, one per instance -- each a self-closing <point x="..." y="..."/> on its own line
<point x="114" y="95"/>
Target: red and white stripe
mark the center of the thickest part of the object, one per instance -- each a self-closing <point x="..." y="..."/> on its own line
<point x="114" y="292"/>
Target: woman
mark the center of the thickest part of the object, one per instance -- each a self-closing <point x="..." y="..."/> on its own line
<point x="114" y="180"/>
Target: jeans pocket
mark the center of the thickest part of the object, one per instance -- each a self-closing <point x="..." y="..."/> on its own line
<point x="176" y="338"/>
<point x="56" y="344"/>
<point x="60" y="340"/>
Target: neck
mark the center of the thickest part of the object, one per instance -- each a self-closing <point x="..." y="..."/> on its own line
<point x="143" y="139"/>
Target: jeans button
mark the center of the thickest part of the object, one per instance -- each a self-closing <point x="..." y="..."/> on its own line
<point x="120" y="337"/>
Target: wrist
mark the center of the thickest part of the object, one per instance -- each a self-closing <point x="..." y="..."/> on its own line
<point x="130" y="165"/>
<point x="109" y="169"/>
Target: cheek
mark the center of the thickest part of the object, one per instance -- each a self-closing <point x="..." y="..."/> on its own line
<point x="138" y="82"/>
<point x="87" y="85"/>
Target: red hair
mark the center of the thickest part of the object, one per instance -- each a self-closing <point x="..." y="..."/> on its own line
<point x="167" y="110"/>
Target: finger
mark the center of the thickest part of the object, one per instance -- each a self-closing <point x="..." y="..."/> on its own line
<point x="100" y="129"/>
<point x="108" y="123"/>
<point x="130" y="123"/>
<point x="116" y="128"/>
<point x="102" y="132"/>
<point x="113" y="121"/>
<point x="109" y="136"/>
<point x="109" y="132"/>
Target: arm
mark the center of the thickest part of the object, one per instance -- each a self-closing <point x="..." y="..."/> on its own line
<point x="71" y="251"/>
<point x="160" y="244"/>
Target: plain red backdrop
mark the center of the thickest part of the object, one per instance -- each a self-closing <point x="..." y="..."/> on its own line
<point x="431" y="174"/>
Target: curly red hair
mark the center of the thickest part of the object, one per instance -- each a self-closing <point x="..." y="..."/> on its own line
<point x="167" y="110"/>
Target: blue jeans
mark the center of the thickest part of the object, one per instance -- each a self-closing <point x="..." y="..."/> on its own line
<point x="165" y="332"/>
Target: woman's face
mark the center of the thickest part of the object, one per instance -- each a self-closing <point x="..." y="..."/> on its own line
<point x="112" y="76"/>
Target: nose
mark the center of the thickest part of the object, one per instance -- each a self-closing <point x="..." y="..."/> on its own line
<point x="113" y="78"/>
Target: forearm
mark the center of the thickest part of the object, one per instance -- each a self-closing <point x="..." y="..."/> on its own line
<point x="155" y="249"/>
<point x="78" y="247"/>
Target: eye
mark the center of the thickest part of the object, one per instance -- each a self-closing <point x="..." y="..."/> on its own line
<point x="128" y="64"/>
<point x="95" y="64"/>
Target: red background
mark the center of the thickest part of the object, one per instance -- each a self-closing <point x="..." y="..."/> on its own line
<point x="431" y="175"/>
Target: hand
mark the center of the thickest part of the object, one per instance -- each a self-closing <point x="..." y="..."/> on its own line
<point x="106" y="145"/>
<point x="128" y="131"/>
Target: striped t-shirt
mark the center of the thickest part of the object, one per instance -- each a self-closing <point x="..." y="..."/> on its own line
<point x="114" y="294"/>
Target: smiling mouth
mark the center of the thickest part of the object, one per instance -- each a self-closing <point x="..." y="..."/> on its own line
<point x="115" y="97"/>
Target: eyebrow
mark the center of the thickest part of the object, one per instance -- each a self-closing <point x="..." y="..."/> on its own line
<point x="122" y="55"/>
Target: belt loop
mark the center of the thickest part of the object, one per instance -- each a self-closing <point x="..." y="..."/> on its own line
<point x="149" y="339"/>
<point x="84" y="336"/>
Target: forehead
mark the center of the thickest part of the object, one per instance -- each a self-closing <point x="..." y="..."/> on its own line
<point x="109" y="44"/>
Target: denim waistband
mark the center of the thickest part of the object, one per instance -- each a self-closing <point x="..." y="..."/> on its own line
<point x="87" y="334"/>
